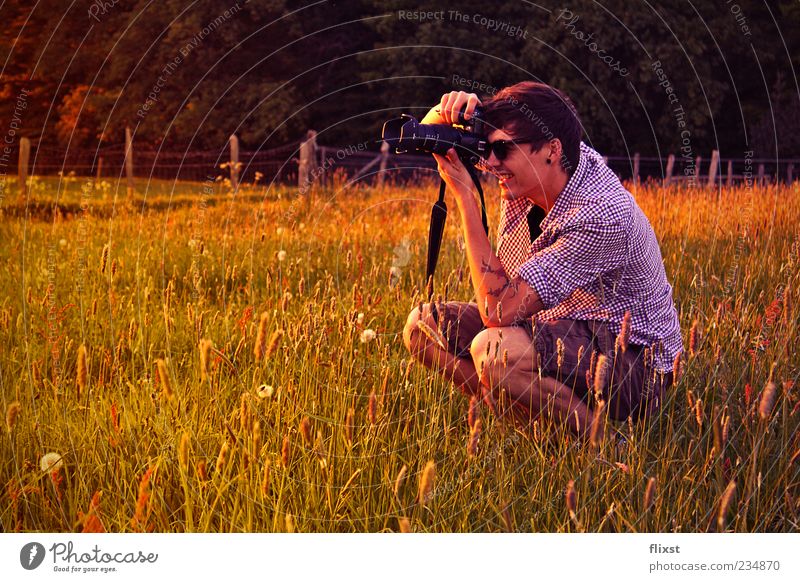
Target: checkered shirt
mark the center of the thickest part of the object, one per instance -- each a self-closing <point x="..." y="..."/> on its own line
<point x="597" y="257"/>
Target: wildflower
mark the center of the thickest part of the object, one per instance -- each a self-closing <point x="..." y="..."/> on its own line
<point x="367" y="336"/>
<point x="265" y="391"/>
<point x="51" y="462"/>
<point x="281" y="255"/>
<point x="279" y="231"/>
<point x="360" y="319"/>
<point x="62" y="243"/>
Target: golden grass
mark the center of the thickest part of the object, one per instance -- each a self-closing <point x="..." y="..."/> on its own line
<point x="291" y="417"/>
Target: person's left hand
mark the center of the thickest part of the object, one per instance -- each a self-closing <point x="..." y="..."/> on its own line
<point x="455" y="175"/>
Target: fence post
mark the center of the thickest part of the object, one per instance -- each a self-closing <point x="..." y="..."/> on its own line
<point x="233" y="141"/>
<point x="790" y="174"/>
<point x="323" y="172"/>
<point x="636" y="158"/>
<point x="712" y="169"/>
<point x="384" y="159"/>
<point x="670" y="169"/>
<point x="24" y="158"/>
<point x="308" y="154"/>
<point x="129" y="159"/>
<point x="729" y="180"/>
<point x="99" y="168"/>
<point x="760" y="174"/>
<point x="697" y="161"/>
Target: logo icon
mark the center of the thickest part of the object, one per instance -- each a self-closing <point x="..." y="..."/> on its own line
<point x="31" y="555"/>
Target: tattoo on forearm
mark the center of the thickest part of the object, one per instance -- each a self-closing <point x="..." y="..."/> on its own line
<point x="487" y="268"/>
<point x="513" y="285"/>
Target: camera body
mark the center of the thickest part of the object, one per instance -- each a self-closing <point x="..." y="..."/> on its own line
<point x="406" y="134"/>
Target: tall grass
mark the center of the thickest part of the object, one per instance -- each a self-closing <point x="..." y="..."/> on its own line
<point x="236" y="364"/>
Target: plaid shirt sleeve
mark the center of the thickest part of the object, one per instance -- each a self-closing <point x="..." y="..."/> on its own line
<point x="579" y="253"/>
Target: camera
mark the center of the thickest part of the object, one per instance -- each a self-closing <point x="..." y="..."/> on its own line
<point x="406" y="134"/>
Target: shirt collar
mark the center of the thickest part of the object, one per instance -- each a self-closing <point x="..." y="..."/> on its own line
<point x="586" y="164"/>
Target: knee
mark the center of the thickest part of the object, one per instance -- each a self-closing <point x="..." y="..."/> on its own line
<point x="411" y="333"/>
<point x="484" y="358"/>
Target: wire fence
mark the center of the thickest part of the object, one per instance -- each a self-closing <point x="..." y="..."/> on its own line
<point x="280" y="165"/>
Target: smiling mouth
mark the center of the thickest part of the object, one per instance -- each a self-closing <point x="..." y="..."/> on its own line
<point x="501" y="176"/>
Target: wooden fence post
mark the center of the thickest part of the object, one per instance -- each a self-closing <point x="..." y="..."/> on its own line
<point x="712" y="169"/>
<point x="233" y="141"/>
<point x="308" y="156"/>
<point x="384" y="159"/>
<point x="729" y="179"/>
<point x="697" y="161"/>
<point x="670" y="169"/>
<point x="129" y="159"/>
<point x="24" y="158"/>
<point x="636" y="159"/>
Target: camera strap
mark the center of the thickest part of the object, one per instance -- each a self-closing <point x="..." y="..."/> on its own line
<point x="438" y="218"/>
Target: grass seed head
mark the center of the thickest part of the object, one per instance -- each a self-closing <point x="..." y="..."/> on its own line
<point x="767" y="402"/>
<point x="261" y="337"/>
<point x="724" y="505"/>
<point x="82" y="370"/>
<point x="571" y="498"/>
<point x="625" y="331"/>
<point x="650" y="494"/>
<point x="427" y="483"/>
<point x="12" y="413"/>
<point x="166" y="381"/>
<point x="205" y="359"/>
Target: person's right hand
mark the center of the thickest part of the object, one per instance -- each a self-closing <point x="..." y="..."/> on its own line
<point x="448" y="109"/>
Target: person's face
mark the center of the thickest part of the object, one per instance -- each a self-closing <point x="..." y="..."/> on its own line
<point x="521" y="173"/>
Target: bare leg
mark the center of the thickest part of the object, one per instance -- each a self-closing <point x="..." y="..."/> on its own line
<point x="460" y="371"/>
<point x="518" y="378"/>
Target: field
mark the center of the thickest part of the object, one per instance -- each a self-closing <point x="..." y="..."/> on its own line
<point x="199" y="361"/>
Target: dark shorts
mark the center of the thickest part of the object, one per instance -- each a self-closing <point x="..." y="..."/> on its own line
<point x="633" y="387"/>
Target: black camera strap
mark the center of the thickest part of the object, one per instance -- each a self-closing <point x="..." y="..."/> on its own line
<point x="438" y="218"/>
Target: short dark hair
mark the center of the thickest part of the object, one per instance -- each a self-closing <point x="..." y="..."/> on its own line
<point x="539" y="113"/>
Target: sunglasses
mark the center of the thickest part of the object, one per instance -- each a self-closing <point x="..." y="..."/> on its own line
<point x="502" y="147"/>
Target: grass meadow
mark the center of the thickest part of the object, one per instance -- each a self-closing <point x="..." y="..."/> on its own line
<point x="199" y="360"/>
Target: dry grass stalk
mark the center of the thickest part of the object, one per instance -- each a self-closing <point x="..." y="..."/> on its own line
<point x="305" y="429"/>
<point x="432" y="334"/>
<point x="290" y="523"/>
<point x="286" y="450"/>
<point x="12" y="413"/>
<point x="261" y="337"/>
<point x="474" y="411"/>
<point x="404" y="525"/>
<point x="183" y="452"/>
<point x="163" y="377"/>
<point x="724" y="505"/>
<point x="398" y="482"/>
<point x="274" y="342"/>
<point x="767" y="402"/>
<point x="474" y="438"/>
<point x="601" y="376"/>
<point x="677" y="369"/>
<point x="372" y="408"/>
<point x="265" y="479"/>
<point x="427" y="483"/>
<point x="596" y="433"/>
<point x="222" y="458"/>
<point x="82" y="370"/>
<point x="559" y="352"/>
<point x="257" y="435"/>
<point x="349" y="424"/>
<point x="650" y="494"/>
<point x="91" y="520"/>
<point x="205" y="359"/>
<point x="104" y="259"/>
<point x="716" y="425"/>
<point x="625" y="332"/>
<point x="571" y="498"/>
<point x="694" y="338"/>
